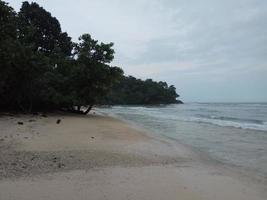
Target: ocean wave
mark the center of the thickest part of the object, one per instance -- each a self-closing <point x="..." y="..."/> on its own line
<point x="233" y="119"/>
<point x="227" y="122"/>
<point x="245" y="116"/>
<point x="202" y="110"/>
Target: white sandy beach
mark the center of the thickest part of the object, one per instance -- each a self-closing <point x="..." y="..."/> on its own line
<point x="97" y="157"/>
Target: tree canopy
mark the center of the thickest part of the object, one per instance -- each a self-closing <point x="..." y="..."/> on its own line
<point x="41" y="68"/>
<point x="134" y="91"/>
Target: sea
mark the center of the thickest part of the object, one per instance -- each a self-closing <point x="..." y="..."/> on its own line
<point x="231" y="133"/>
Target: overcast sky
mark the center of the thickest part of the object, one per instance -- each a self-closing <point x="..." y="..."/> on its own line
<point x="211" y="50"/>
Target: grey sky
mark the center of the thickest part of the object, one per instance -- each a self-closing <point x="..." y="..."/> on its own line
<point x="211" y="50"/>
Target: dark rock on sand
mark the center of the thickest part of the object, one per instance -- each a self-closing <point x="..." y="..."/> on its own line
<point x="55" y="159"/>
<point x="43" y="115"/>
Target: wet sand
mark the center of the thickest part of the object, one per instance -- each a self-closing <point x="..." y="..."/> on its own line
<point x="99" y="157"/>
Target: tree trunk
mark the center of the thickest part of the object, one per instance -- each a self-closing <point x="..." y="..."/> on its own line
<point x="88" y="109"/>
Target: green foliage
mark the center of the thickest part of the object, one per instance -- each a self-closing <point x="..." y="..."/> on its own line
<point x="41" y="68"/>
<point x="7" y="22"/>
<point x="90" y="50"/>
<point x="136" y="91"/>
<point x="38" y="28"/>
<point x="92" y="69"/>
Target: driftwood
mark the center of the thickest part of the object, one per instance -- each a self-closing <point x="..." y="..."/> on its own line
<point x="78" y="110"/>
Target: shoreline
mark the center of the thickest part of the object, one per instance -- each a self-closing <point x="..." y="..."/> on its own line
<point x="105" y="157"/>
<point x="202" y="140"/>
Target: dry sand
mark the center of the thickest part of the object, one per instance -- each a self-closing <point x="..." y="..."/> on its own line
<point x="98" y="157"/>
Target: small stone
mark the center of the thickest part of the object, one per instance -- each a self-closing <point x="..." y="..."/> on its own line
<point x="31" y="120"/>
<point x="43" y="115"/>
<point x="93" y="137"/>
<point x="55" y="159"/>
<point x="58" y="121"/>
<point x="20" y="123"/>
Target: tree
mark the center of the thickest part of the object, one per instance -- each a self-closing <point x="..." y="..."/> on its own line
<point x="91" y="51"/>
<point x="136" y="91"/>
<point x="38" y="28"/>
<point x="41" y="68"/>
<point x="7" y="22"/>
<point x="26" y="57"/>
<point x="7" y="47"/>
<point x="92" y="76"/>
<point x="41" y="32"/>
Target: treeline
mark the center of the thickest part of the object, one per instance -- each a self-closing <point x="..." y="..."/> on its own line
<point x="132" y="91"/>
<point x="42" y="68"/>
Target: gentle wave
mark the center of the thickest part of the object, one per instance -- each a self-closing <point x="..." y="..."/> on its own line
<point x="238" y="115"/>
<point x="222" y="121"/>
<point x="234" y="119"/>
<point x="243" y="145"/>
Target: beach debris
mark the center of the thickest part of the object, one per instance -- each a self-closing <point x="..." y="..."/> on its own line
<point x="24" y="166"/>
<point x="60" y="165"/>
<point x="55" y="159"/>
<point x="20" y="123"/>
<point x="58" y="121"/>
